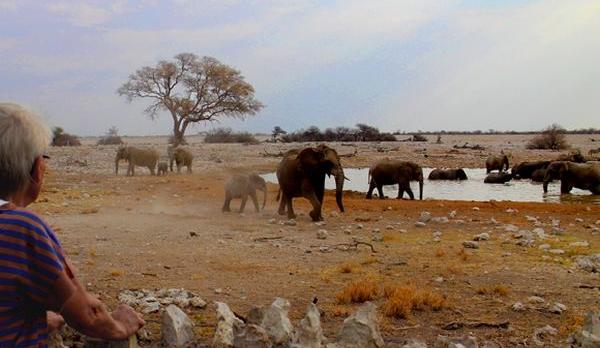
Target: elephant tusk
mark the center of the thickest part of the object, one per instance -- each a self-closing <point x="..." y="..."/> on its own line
<point x="346" y="178"/>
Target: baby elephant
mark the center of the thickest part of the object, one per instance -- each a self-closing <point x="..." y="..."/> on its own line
<point x="447" y="174"/>
<point x="163" y="167"/>
<point x="497" y="178"/>
<point x="242" y="186"/>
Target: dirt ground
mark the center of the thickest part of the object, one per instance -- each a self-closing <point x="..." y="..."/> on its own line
<point x="135" y="232"/>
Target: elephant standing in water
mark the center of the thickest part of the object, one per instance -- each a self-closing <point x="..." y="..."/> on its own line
<point x="499" y="163"/>
<point x="497" y="178"/>
<point x="302" y="174"/>
<point x="136" y="157"/>
<point x="447" y="174"/>
<point x="242" y="186"/>
<point x="525" y="170"/>
<point x="581" y="176"/>
<point x="391" y="172"/>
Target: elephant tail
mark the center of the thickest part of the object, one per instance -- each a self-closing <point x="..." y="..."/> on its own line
<point x="278" y="196"/>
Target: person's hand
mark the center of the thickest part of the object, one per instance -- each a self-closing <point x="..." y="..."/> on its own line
<point x="55" y="321"/>
<point x="128" y="319"/>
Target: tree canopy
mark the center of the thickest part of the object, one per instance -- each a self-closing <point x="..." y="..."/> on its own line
<point x="192" y="89"/>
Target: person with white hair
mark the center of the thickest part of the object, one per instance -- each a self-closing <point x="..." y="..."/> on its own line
<point x="38" y="288"/>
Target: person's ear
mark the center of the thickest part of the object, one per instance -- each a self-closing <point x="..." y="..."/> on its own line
<point x="37" y="171"/>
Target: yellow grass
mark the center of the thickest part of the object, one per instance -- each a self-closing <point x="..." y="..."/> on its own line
<point x="349" y="267"/>
<point x="403" y="299"/>
<point x="571" y="324"/>
<point x="358" y="292"/>
<point x="440" y="253"/>
<point x="500" y="289"/>
<point x="463" y="254"/>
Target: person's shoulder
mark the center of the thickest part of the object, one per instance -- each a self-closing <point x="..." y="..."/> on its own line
<point x="25" y="214"/>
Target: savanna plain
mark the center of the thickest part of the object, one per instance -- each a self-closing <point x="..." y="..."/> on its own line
<point x="150" y="232"/>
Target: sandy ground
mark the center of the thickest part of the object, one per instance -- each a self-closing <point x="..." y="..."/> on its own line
<point x="134" y="232"/>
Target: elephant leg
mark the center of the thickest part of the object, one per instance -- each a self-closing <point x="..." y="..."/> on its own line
<point x="243" y="205"/>
<point x="282" y="202"/>
<point x="178" y="169"/>
<point x="371" y="188"/>
<point x="409" y="191"/>
<point x="565" y="186"/>
<point x="290" y="208"/>
<point x="254" y="200"/>
<point x="315" y="214"/>
<point x="380" y="191"/>
<point x="152" y="170"/>
<point x="189" y="169"/>
<point x="227" y="202"/>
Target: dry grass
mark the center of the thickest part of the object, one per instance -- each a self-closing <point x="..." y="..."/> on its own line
<point x="500" y="289"/>
<point x="440" y="253"/>
<point x="349" y="267"/>
<point x="358" y="292"/>
<point x="402" y="300"/>
<point x="571" y="324"/>
<point x="90" y="211"/>
<point x="463" y="255"/>
<point x="369" y="260"/>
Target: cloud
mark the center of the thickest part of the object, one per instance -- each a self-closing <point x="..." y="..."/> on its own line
<point x="86" y="14"/>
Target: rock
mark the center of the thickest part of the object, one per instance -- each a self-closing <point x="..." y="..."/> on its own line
<point x="389" y="227"/>
<point x="375" y="230"/>
<point x="506" y="254"/>
<point x="539" y="232"/>
<point x="320" y="223"/>
<point x="493" y="221"/>
<point x="360" y="330"/>
<point x="309" y="333"/>
<point x="578" y="220"/>
<point x="425" y="217"/>
<point x="490" y="344"/>
<point x="438" y="279"/>
<point x="272" y="221"/>
<point x="456" y="342"/>
<point x="347" y="231"/>
<point x="481" y="237"/>
<point x="322" y="234"/>
<point x="557" y="308"/>
<point x="377" y="238"/>
<point x="597" y="222"/>
<point x="539" y="334"/>
<point x="150" y="307"/>
<point x="197" y="302"/>
<point x="250" y="336"/>
<point x="176" y="328"/>
<point x="511" y="211"/>
<point x="583" y="244"/>
<point x="556" y="251"/>
<point x="469" y="244"/>
<point x="277" y="324"/>
<point x="359" y="226"/>
<point x="325" y="249"/>
<point x="590" y="263"/>
<point x="290" y="222"/>
<point x="530" y="218"/>
<point x="413" y="343"/>
<point x="475" y="208"/>
<point x="420" y="224"/>
<point x="535" y="299"/>
<point x="511" y="228"/>
<point x="544" y="246"/>
<point x="226" y="320"/>
<point x="518" y="307"/>
<point x="452" y="214"/>
<point x="589" y="335"/>
<point x="440" y="220"/>
<point x="436" y="234"/>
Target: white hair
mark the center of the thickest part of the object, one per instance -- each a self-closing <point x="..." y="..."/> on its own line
<point x="23" y="138"/>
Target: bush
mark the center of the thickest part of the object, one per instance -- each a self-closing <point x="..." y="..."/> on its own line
<point x="419" y="137"/>
<point x="60" y="138"/>
<point x="362" y="132"/>
<point x="551" y="138"/>
<point x="226" y="135"/>
<point x="111" y="137"/>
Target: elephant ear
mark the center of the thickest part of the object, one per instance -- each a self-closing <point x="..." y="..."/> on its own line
<point x="563" y="169"/>
<point x="309" y="159"/>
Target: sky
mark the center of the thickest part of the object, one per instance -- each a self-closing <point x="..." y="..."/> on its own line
<point x="403" y="65"/>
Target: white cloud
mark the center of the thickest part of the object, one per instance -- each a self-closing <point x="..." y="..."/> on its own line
<point x="85" y="14"/>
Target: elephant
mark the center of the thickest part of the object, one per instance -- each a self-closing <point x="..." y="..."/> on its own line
<point x="496" y="163"/>
<point x="524" y="170"/>
<point x="538" y="175"/>
<point x="302" y="174"/>
<point x="581" y="176"/>
<point x="163" y="168"/>
<point x="391" y="172"/>
<point x="242" y="186"/>
<point x="136" y="157"/>
<point x="497" y="178"/>
<point x="573" y="156"/>
<point x="181" y="157"/>
<point x="447" y="174"/>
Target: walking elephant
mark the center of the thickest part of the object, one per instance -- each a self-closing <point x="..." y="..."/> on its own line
<point x="244" y="186"/>
<point x="302" y="174"/>
<point x="136" y="157"/>
<point x="524" y="170"/>
<point x="499" y="163"/>
<point x="391" y="172"/>
<point x="447" y="174"/>
<point x="497" y="178"/>
<point x="181" y="157"/>
<point x="581" y="176"/>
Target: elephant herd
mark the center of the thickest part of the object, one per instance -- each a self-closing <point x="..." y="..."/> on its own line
<point x="301" y="173"/>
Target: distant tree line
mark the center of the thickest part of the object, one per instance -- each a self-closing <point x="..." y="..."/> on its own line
<point x="590" y="130"/>
<point x="226" y="135"/>
<point x="361" y="132"/>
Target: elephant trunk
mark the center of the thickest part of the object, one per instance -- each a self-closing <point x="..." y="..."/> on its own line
<point x="339" y="187"/>
<point x="421" y="188"/>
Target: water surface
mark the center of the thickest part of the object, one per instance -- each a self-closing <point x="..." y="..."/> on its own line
<point x="472" y="189"/>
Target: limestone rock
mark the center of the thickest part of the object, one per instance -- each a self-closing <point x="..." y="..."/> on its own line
<point x="590" y="263"/>
<point x="322" y="234"/>
<point x="226" y="320"/>
<point x="469" y="244"/>
<point x="250" y="336"/>
<point x="425" y="217"/>
<point x="420" y="224"/>
<point x="309" y="333"/>
<point x="541" y="333"/>
<point x="481" y="236"/>
<point x="440" y="220"/>
<point x="589" y="335"/>
<point x="456" y="342"/>
<point x="518" y="307"/>
<point x="361" y="330"/>
<point x="414" y="343"/>
<point x="176" y="328"/>
<point x="277" y="324"/>
<point x="96" y="343"/>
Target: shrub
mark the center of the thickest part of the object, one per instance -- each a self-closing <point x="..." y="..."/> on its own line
<point x="362" y="132"/>
<point x="551" y="138"/>
<point x="60" y="138"/>
<point x="402" y="300"/>
<point x="226" y="135"/>
<point x="419" y="137"/>
<point x="111" y="137"/>
<point x="358" y="292"/>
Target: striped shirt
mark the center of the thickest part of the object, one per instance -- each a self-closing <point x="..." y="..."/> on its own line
<point x="31" y="259"/>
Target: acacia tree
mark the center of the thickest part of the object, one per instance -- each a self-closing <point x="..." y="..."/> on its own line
<point x="191" y="89"/>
